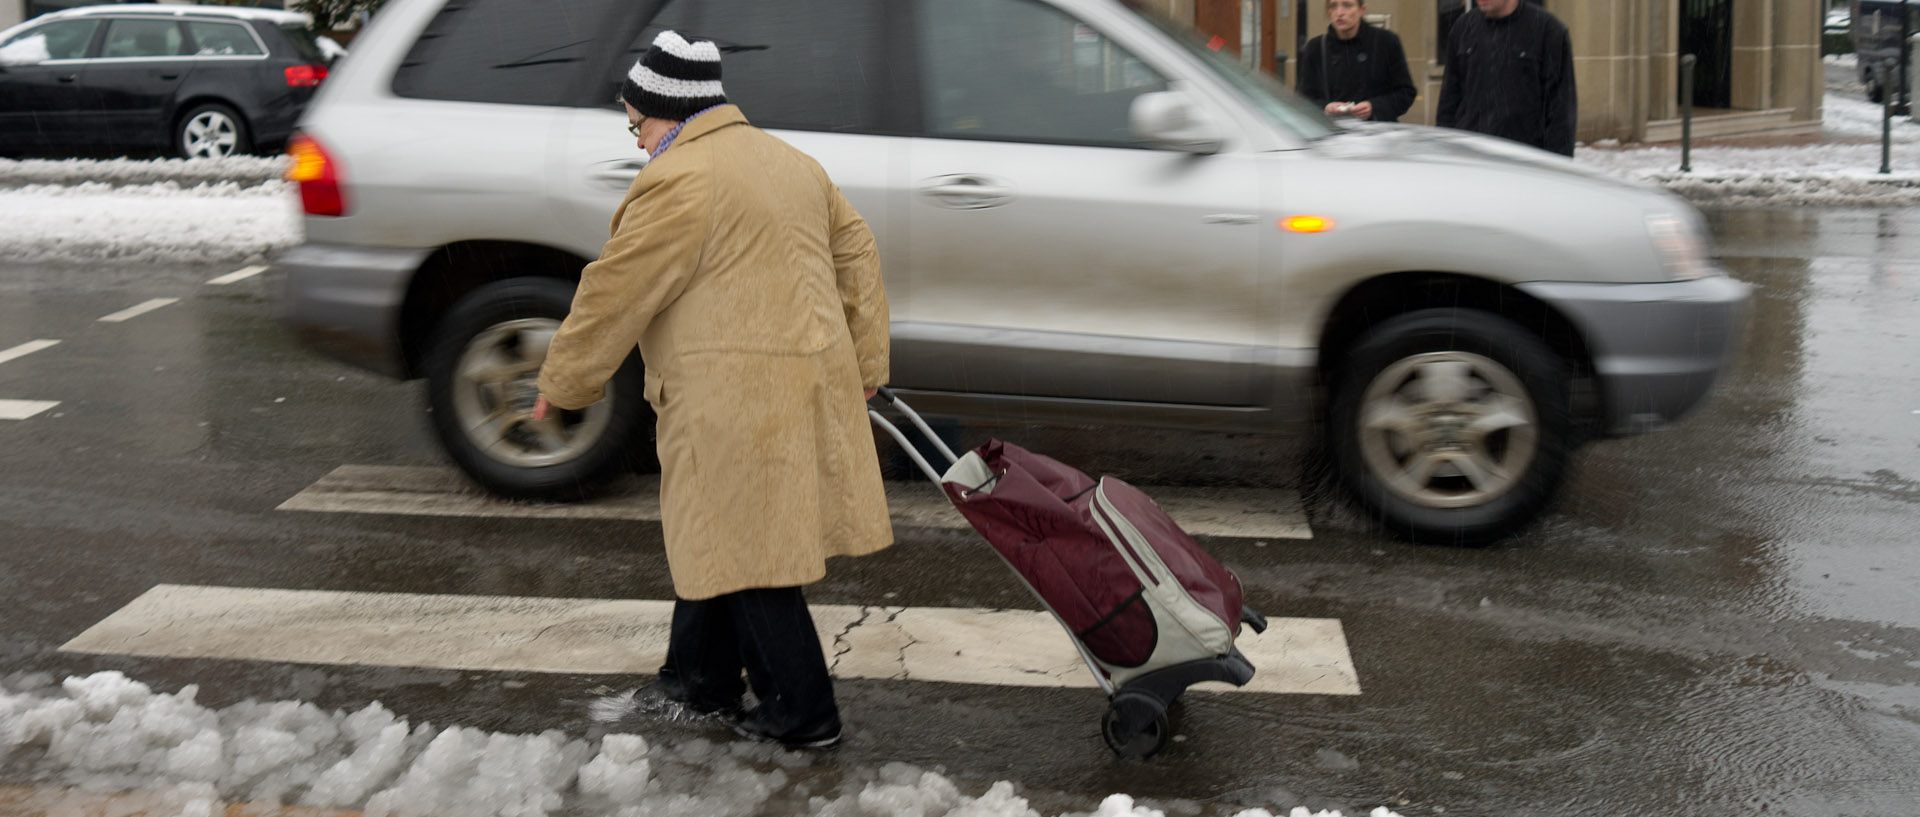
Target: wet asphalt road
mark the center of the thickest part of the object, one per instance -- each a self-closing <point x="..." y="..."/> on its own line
<point x="1720" y="619"/>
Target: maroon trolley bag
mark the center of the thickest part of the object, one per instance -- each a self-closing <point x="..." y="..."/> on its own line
<point x="1148" y="609"/>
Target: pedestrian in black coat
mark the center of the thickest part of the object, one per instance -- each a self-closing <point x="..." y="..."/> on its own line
<point x="1356" y="69"/>
<point x="1510" y="74"/>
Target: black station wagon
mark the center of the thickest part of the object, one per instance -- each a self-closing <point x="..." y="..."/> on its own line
<point x="188" y="81"/>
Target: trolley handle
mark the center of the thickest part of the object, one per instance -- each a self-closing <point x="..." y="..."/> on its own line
<point x="900" y="437"/>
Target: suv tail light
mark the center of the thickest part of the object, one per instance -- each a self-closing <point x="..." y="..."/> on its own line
<point x="318" y="175"/>
<point x="305" y="76"/>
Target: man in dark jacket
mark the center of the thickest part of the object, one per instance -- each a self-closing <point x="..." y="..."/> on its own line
<point x="1355" y="69"/>
<point x="1510" y="74"/>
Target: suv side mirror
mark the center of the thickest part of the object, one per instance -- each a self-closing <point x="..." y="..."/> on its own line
<point x="1171" y="120"/>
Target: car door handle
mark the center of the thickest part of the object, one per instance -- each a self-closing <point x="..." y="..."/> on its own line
<point x="967" y="191"/>
<point x="617" y="174"/>
<point x="69" y="77"/>
<point x="170" y="75"/>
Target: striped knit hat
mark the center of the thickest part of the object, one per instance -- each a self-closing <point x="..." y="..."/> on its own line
<point x="675" y="79"/>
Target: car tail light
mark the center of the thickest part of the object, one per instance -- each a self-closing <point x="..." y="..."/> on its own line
<point x="305" y="76"/>
<point x="318" y="175"/>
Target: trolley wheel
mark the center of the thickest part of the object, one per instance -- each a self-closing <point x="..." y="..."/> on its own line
<point x="1135" y="725"/>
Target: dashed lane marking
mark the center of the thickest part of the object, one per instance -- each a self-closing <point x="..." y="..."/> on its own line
<point x="25" y="349"/>
<point x="22" y="409"/>
<point x="137" y="310"/>
<point x="239" y="275"/>
<point x="424" y="491"/>
<point x="1025" y="648"/>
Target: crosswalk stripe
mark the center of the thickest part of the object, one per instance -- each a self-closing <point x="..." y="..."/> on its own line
<point x="428" y="491"/>
<point x="22" y="409"/>
<point x="25" y="349"/>
<point x="238" y="275"/>
<point x="137" y="310"/>
<point x="609" y="636"/>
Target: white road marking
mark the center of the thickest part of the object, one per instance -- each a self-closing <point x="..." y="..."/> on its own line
<point x="239" y="275"/>
<point x="423" y="491"/>
<point x="25" y="349"/>
<point x="137" y="310"/>
<point x="608" y="636"/>
<point x="22" y="409"/>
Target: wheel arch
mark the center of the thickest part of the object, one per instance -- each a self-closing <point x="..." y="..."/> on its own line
<point x="454" y="270"/>
<point x="1383" y="297"/>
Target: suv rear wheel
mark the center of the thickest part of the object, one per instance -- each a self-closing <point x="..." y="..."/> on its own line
<point x="1452" y="426"/>
<point x="481" y="370"/>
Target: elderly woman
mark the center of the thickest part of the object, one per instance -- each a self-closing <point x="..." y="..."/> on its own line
<point x="753" y="291"/>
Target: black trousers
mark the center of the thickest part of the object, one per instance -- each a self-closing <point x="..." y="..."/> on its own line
<point x="769" y="634"/>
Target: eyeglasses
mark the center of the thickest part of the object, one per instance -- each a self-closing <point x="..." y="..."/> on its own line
<point x="634" y="127"/>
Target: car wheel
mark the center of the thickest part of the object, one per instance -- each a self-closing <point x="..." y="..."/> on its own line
<point x="211" y="131"/>
<point x="1451" y="426"/>
<point x="481" y="369"/>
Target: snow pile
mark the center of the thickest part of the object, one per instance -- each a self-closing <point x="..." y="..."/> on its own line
<point x="165" y="754"/>
<point x="246" y="171"/>
<point x="167" y="221"/>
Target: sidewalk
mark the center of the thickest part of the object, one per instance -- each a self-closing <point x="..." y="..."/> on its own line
<point x="1837" y="167"/>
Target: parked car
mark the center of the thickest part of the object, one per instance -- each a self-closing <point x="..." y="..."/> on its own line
<point x="189" y="81"/>
<point x="1836" y="34"/>
<point x="1084" y="214"/>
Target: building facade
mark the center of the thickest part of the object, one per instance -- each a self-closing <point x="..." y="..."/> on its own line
<point x="1758" y="66"/>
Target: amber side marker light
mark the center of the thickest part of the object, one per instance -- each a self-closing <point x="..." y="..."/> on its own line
<point x="1306" y="224"/>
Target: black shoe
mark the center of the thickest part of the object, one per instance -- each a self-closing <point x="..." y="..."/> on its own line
<point x="823" y="737"/>
<point x="667" y="695"/>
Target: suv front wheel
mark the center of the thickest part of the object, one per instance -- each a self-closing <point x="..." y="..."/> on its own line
<point x="481" y="370"/>
<point x="1451" y="426"/>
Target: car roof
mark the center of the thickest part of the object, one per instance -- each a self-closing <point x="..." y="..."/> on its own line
<point x="276" y="16"/>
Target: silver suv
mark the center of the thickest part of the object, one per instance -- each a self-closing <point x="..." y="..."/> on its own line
<point x="1084" y="214"/>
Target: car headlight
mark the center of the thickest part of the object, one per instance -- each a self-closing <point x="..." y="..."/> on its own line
<point x="1681" y="247"/>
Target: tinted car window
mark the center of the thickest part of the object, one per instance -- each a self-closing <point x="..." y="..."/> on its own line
<point x="506" y="51"/>
<point x="222" y="39"/>
<point x="62" y="40"/>
<point x="1023" y="71"/>
<point x="799" y="64"/>
<point x="143" y="38"/>
<point x="305" y="43"/>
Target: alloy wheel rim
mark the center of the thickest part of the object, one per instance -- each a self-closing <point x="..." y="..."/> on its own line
<point x="1448" y="429"/>
<point x="211" y="135"/>
<point x="494" y="391"/>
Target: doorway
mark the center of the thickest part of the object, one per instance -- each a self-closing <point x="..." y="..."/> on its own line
<point x="1706" y="31"/>
<point x="1244" y="26"/>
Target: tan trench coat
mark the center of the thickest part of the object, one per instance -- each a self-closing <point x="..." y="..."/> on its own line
<point x="753" y="290"/>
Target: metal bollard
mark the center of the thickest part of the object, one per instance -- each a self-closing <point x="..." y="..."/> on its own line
<point x="1686" y="112"/>
<point x="1886" y="125"/>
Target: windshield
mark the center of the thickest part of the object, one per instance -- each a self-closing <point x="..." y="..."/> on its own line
<point x="1266" y="93"/>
